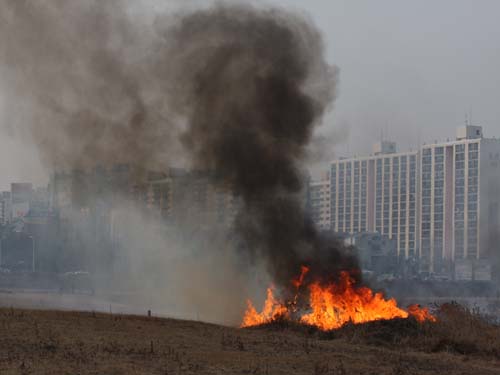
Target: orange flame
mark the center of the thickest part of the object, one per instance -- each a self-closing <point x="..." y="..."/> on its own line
<point x="271" y="311"/>
<point x="299" y="280"/>
<point x="421" y="313"/>
<point x="334" y="305"/>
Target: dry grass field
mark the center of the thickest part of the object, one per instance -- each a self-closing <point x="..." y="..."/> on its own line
<point x="56" y="342"/>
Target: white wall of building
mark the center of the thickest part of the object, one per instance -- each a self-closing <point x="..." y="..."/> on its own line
<point x="489" y="204"/>
<point x="377" y="193"/>
<point x="441" y="203"/>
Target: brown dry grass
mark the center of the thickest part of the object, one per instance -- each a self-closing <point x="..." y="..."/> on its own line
<point x="458" y="330"/>
<point x="55" y="342"/>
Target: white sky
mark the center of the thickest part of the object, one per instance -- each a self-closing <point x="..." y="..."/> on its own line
<point x="411" y="69"/>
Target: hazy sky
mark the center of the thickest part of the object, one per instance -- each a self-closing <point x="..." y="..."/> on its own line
<point x="410" y="69"/>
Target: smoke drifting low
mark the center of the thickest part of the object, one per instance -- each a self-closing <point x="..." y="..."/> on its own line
<point x="233" y="89"/>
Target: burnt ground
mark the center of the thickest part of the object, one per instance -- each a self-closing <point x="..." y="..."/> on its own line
<point x="57" y="342"/>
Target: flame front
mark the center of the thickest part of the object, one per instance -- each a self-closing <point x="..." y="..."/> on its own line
<point x="334" y="305"/>
<point x="271" y="311"/>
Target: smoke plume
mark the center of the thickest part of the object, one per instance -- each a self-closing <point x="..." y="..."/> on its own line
<point x="253" y="84"/>
<point x="81" y="84"/>
<point x="233" y="89"/>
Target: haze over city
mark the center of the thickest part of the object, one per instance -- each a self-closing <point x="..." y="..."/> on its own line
<point x="249" y="186"/>
<point x="412" y="71"/>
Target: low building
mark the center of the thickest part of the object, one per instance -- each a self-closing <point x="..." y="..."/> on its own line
<point x="17" y="251"/>
<point x="376" y="252"/>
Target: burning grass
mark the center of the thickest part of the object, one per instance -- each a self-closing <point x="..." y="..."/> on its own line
<point x="457" y="329"/>
<point x="55" y="342"/>
<point x="355" y="314"/>
<point x="331" y="306"/>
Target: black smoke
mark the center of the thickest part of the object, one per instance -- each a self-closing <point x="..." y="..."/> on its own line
<point x="253" y="84"/>
<point x="233" y="89"/>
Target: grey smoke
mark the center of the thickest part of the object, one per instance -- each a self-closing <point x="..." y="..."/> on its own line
<point x="234" y="89"/>
<point x="80" y="83"/>
<point x="253" y="85"/>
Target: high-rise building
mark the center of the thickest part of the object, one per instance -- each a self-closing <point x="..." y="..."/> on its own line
<point x="441" y="204"/>
<point x="377" y="193"/>
<point x="459" y="201"/>
<point x="319" y="203"/>
<point x="190" y="196"/>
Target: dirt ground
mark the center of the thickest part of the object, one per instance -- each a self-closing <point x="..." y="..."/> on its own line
<point x="56" y="342"/>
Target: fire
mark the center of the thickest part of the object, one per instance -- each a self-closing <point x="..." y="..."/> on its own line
<point x="299" y="280"/>
<point x="271" y="311"/>
<point x="332" y="306"/>
<point x="421" y="314"/>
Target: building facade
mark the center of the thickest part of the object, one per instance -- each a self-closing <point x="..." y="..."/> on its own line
<point x="459" y="203"/>
<point x="5" y="207"/>
<point x="190" y="196"/>
<point x="441" y="204"/>
<point x="21" y="197"/>
<point x="377" y="194"/>
<point x="319" y="203"/>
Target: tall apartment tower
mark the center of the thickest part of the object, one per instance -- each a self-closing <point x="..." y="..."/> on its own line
<point x="319" y="203"/>
<point x="460" y="185"/>
<point x="377" y="193"/>
<point x="441" y="204"/>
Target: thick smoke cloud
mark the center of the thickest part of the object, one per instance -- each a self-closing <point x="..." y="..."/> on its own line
<point x="233" y="89"/>
<point x="79" y="83"/>
<point x="253" y="85"/>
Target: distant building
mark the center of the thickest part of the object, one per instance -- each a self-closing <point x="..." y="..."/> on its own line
<point x="319" y="203"/>
<point x="441" y="204"/>
<point x="17" y="251"/>
<point x="40" y="199"/>
<point x="183" y="196"/>
<point x="377" y="193"/>
<point x="460" y="201"/>
<point x="81" y="206"/>
<point x="40" y="226"/>
<point x="5" y="208"/>
<point x="375" y="252"/>
<point x="21" y="196"/>
<point x="174" y="195"/>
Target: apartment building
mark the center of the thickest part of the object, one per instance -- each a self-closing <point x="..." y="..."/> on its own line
<point x="319" y="203"/>
<point x="377" y="193"/>
<point x="441" y="203"/>
<point x="460" y="183"/>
